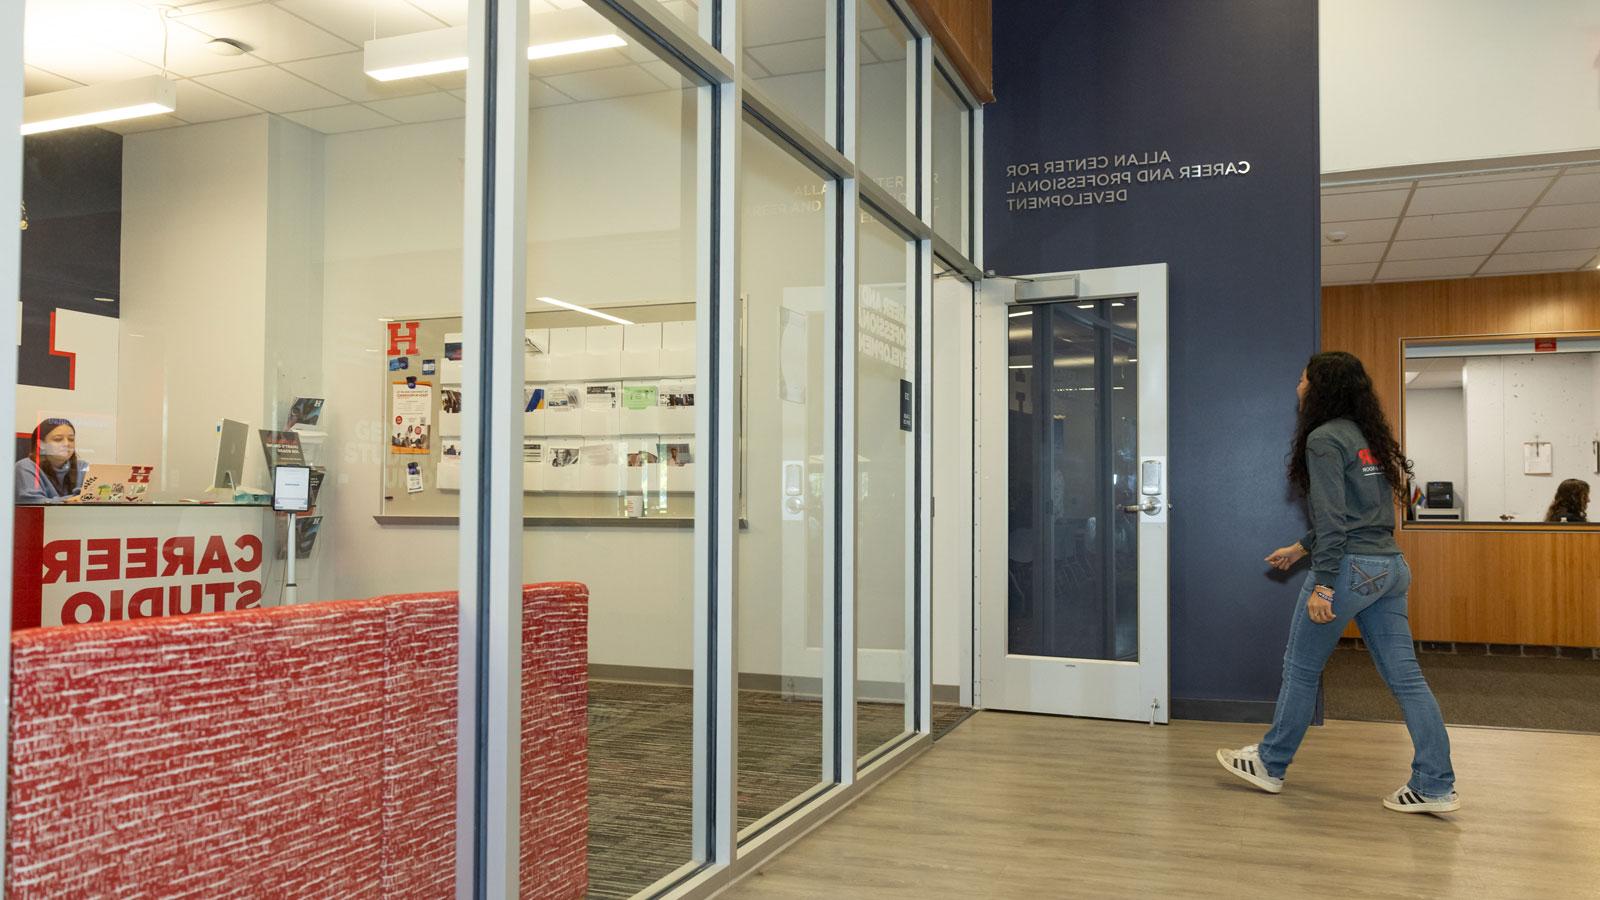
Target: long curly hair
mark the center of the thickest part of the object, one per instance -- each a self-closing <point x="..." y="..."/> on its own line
<point x="1571" y="502"/>
<point x="1339" y="388"/>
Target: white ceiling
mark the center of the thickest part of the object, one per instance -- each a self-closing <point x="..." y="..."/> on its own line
<point x="305" y="59"/>
<point x="1434" y="374"/>
<point x="1543" y="219"/>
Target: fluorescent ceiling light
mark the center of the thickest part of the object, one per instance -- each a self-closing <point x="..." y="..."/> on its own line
<point x="96" y="104"/>
<point x="577" y="45"/>
<point x="584" y="309"/>
<point x="444" y="49"/>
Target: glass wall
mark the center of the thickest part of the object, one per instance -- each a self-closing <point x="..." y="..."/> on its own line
<point x="788" y="327"/>
<point x="952" y="164"/>
<point x="887" y="108"/>
<point x="284" y="269"/>
<point x="611" y="450"/>
<point x="886" y="483"/>
<point x="261" y="286"/>
<point x="786" y="55"/>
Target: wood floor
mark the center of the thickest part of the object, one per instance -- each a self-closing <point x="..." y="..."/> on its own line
<point x="1033" y="806"/>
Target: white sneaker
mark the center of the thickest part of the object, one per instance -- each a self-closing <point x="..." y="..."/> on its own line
<point x="1408" y="801"/>
<point x="1246" y="763"/>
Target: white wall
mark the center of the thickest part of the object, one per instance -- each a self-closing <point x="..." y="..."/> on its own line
<point x="1436" y="426"/>
<point x="1514" y="399"/>
<point x="952" y="470"/>
<point x="1407" y="82"/>
<point x="194" y="283"/>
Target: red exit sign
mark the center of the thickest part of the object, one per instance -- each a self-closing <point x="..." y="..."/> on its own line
<point x="1544" y="345"/>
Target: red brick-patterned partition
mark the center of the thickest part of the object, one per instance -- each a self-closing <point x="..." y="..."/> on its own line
<point x="304" y="751"/>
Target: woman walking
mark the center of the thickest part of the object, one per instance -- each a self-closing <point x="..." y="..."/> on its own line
<point x="1349" y="467"/>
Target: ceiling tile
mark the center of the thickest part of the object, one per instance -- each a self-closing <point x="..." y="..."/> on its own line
<point x="1497" y="221"/>
<point x="198" y="103"/>
<point x="753" y="68"/>
<point x="579" y="62"/>
<point x="38" y="81"/>
<point x="1348" y="274"/>
<point x="1583" y="170"/>
<point x="1572" y="215"/>
<point x="885" y="44"/>
<point x="451" y="12"/>
<point x="1418" y="269"/>
<point x="541" y="95"/>
<point x="422" y="108"/>
<point x="1366" y="188"/>
<point x="605" y="83"/>
<point x="774" y="21"/>
<point x="1441" y="248"/>
<point x="1340" y="254"/>
<point x="1574" y="189"/>
<point x="1518" y="175"/>
<point x="343" y="74"/>
<point x="189" y="54"/>
<point x="792" y="58"/>
<point x="1360" y="231"/>
<point x="272" y="89"/>
<point x="354" y="20"/>
<point x="1369" y="205"/>
<point x="1561" y="261"/>
<point x="87" y="65"/>
<point x="667" y="75"/>
<point x="273" y="34"/>
<point x="1555" y="239"/>
<point x="1475" y="197"/>
<point x="336" y="119"/>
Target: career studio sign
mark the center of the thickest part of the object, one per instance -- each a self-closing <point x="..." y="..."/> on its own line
<point x="80" y="565"/>
<point x="1104" y="179"/>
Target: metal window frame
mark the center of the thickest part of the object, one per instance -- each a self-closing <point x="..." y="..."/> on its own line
<point x="494" y="288"/>
<point x="11" y="31"/>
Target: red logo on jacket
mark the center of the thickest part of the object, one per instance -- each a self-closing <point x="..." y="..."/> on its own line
<point x="1367" y="458"/>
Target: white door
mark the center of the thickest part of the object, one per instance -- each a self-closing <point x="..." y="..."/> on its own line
<point x="1072" y="526"/>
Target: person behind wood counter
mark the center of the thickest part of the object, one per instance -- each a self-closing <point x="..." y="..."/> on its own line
<point x="52" y="471"/>
<point x="1571" y="503"/>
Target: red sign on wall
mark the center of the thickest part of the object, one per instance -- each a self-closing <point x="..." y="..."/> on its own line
<point x="1544" y="345"/>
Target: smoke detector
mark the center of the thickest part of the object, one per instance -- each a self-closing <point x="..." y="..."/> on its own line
<point x="227" y="47"/>
<point x="1336" y="237"/>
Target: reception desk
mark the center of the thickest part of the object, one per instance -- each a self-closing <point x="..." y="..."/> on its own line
<point x="89" y="562"/>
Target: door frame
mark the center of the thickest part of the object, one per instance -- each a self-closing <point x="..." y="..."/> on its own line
<point x="999" y="682"/>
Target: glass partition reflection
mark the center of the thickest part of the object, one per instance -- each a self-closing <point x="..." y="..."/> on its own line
<point x="1504" y="431"/>
<point x="885" y="577"/>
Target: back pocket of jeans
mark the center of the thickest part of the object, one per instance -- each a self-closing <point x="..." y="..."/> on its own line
<point x="1368" y="583"/>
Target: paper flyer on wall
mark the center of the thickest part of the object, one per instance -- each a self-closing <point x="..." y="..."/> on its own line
<point x="450" y="410"/>
<point x="411" y="413"/>
<point x="601" y="466"/>
<point x="563" y="470"/>
<point x="450" y="365"/>
<point x="448" y="475"/>
<point x="640" y="397"/>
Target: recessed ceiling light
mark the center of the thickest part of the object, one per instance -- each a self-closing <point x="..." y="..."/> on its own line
<point x="560" y="33"/>
<point x="584" y="309"/>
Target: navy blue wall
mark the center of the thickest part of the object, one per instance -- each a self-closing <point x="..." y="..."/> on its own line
<point x="1207" y="80"/>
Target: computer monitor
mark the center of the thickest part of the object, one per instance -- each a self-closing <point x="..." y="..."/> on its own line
<point x="232" y="440"/>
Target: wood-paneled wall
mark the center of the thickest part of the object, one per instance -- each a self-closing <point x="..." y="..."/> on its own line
<point x="1500" y="587"/>
<point x="965" y="30"/>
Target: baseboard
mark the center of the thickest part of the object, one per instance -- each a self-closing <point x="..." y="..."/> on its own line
<point x="1251" y="711"/>
<point x="947" y="693"/>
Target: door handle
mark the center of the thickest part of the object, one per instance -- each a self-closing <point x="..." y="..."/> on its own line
<point x="1149" y="507"/>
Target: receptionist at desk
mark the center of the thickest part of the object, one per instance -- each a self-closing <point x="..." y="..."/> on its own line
<point x="52" y="471"/>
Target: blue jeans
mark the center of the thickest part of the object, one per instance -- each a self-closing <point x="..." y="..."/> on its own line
<point x="1372" y="590"/>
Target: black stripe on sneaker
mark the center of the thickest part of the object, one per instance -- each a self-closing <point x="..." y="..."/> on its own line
<point x="1410" y="798"/>
<point x="1250" y="766"/>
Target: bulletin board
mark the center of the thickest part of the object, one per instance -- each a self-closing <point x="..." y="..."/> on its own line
<point x="608" y="425"/>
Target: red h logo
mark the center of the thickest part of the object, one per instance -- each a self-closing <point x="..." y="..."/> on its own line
<point x="408" y="338"/>
<point x="140" y="474"/>
<point x="1367" y="458"/>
